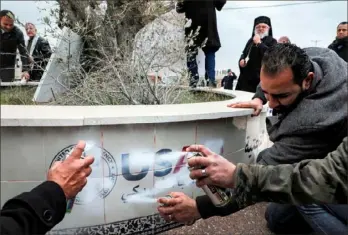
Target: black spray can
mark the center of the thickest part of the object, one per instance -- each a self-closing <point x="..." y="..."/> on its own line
<point x="219" y="196"/>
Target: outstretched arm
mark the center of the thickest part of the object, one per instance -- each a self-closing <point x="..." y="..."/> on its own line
<point x="320" y="180"/>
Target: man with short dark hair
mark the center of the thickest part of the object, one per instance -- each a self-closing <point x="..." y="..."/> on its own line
<point x="340" y="45"/>
<point x="11" y="39"/>
<point x="227" y="81"/>
<point x="308" y="88"/>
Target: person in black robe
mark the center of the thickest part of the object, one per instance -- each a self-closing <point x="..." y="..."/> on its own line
<point x="340" y="45"/>
<point x="250" y="60"/>
<point x="202" y="15"/>
<point x="39" y="51"/>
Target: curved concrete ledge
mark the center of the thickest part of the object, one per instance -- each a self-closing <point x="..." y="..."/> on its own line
<point x="31" y="115"/>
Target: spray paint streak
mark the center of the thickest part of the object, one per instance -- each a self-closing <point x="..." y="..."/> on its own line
<point x="103" y="162"/>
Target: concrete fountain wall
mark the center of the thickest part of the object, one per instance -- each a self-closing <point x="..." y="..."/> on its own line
<point x="129" y="145"/>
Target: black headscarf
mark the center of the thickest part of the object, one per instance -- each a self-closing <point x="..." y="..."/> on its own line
<point x="265" y="20"/>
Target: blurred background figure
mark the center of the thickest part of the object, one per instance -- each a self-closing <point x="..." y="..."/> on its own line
<point x="11" y="39"/>
<point x="39" y="52"/>
<point x="227" y="81"/>
<point x="202" y="15"/>
<point x="284" y="39"/>
<point x="340" y="45"/>
<point x="250" y="60"/>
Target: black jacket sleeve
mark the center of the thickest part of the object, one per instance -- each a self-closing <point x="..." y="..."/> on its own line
<point x="259" y="94"/>
<point x="34" y="212"/>
<point x="207" y="209"/>
<point x="219" y="4"/>
<point x="22" y="50"/>
<point x="265" y="45"/>
<point x="245" y="51"/>
<point x="223" y="81"/>
<point x="180" y="7"/>
<point x="44" y="50"/>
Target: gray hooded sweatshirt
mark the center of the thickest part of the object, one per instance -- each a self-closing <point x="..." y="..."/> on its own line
<point x="318" y="124"/>
<point x="315" y="127"/>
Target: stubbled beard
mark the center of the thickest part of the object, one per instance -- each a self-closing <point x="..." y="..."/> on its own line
<point x="262" y="35"/>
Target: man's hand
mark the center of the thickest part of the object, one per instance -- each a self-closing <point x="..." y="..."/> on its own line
<point x="71" y="174"/>
<point x="211" y="169"/>
<point x="255" y="104"/>
<point x="242" y="63"/>
<point x="257" y="39"/>
<point x="25" y="75"/>
<point x="180" y="208"/>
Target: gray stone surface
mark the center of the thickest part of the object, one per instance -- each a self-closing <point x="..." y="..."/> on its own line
<point x="63" y="60"/>
<point x="249" y="221"/>
<point x="160" y="47"/>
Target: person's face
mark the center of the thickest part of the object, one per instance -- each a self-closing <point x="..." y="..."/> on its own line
<point x="261" y="28"/>
<point x="230" y="73"/>
<point x="283" y="40"/>
<point x="6" y="23"/>
<point x="30" y="30"/>
<point x="280" y="90"/>
<point x="342" y="31"/>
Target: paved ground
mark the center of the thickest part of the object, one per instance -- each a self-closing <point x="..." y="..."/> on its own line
<point x="249" y="221"/>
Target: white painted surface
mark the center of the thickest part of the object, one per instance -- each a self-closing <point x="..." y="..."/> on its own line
<point x="127" y="141"/>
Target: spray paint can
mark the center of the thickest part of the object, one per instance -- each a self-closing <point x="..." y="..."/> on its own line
<point x="219" y="196"/>
<point x="166" y="196"/>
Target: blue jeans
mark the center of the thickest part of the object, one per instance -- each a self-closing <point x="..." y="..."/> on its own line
<point x="193" y="67"/>
<point x="322" y="219"/>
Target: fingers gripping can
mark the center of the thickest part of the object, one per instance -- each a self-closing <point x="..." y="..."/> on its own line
<point x="166" y="196"/>
<point x="220" y="197"/>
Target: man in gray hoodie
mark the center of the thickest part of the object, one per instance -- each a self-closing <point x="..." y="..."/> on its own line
<point x="308" y="90"/>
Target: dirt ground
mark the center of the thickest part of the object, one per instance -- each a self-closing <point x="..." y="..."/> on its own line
<point x="249" y="221"/>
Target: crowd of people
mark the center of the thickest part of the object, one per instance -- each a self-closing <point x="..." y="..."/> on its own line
<point x="34" y="52"/>
<point x="202" y="15"/>
<point x="303" y="174"/>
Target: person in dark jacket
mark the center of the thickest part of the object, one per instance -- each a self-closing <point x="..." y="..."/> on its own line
<point x="340" y="45"/>
<point x="202" y="15"/>
<point x="11" y="39"/>
<point x="38" y="211"/>
<point x="308" y="88"/>
<point x="227" y="81"/>
<point x="250" y="60"/>
<point x="39" y="51"/>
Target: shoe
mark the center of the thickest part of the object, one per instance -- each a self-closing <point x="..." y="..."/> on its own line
<point x="212" y="85"/>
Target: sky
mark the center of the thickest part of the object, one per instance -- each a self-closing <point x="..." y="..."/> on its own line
<point x="302" y="23"/>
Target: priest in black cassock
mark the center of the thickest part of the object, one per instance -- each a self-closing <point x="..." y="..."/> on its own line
<point x="250" y="60"/>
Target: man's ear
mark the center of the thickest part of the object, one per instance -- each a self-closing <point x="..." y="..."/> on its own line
<point x="306" y="84"/>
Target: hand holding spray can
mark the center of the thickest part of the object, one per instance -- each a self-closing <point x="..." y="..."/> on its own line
<point x="219" y="196"/>
<point x="70" y="202"/>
